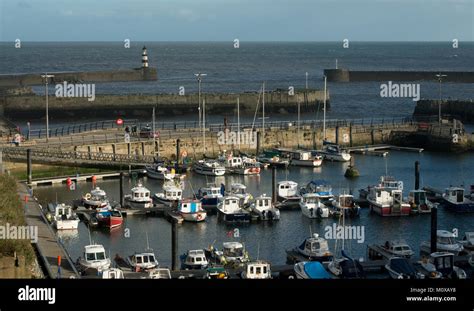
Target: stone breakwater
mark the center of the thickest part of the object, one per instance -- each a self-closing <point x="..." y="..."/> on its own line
<point x="460" y="109"/>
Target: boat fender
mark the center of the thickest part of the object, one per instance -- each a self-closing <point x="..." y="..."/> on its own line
<point x="199" y="217"/>
<point x="184" y="154"/>
<point x="88" y="196"/>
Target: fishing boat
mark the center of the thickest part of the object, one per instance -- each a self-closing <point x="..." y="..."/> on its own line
<point x="257" y="270"/>
<point x="333" y="152"/>
<point x="441" y="265"/>
<point x="156" y="171"/>
<point x="210" y="195"/>
<point x="191" y="210"/>
<point x="264" y="208"/>
<point x="314" y="248"/>
<point x="110" y="219"/>
<point x="398" y="248"/>
<point x="240" y="191"/>
<point x="112" y="274"/>
<point x="445" y="242"/>
<point x="345" y="203"/>
<point x="233" y="253"/>
<point x="64" y="217"/>
<point x="312" y="207"/>
<point x="273" y="158"/>
<point x="454" y="200"/>
<point x="419" y="202"/>
<point x="320" y="187"/>
<point x="305" y="158"/>
<point x="170" y="196"/>
<point x="194" y="260"/>
<point x="159" y="274"/>
<point x="231" y="210"/>
<point x="468" y="241"/>
<point x="313" y="270"/>
<point x="240" y="166"/>
<point x="209" y="168"/>
<point x="143" y="261"/>
<point x="287" y="194"/>
<point x="402" y="268"/>
<point x="95" y="198"/>
<point x="139" y="198"/>
<point x="386" y="199"/>
<point x="94" y="258"/>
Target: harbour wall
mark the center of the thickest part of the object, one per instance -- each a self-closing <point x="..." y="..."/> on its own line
<point x="460" y="109"/>
<point x="21" y="80"/>
<point x="345" y="75"/>
<point x="136" y="105"/>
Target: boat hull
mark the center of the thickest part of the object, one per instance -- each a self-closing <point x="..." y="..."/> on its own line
<point x="387" y="210"/>
<point x="194" y="217"/>
<point x="70" y="224"/>
<point x="288" y="202"/>
<point x="458" y="208"/>
<point x="111" y="222"/>
<point x="135" y="204"/>
<point x="309" y="163"/>
<point x="316" y="212"/>
<point x="209" y="171"/>
<point x="234" y="217"/>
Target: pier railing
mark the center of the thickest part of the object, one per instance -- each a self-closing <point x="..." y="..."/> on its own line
<point x="190" y="126"/>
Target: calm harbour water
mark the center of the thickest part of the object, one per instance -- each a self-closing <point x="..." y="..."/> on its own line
<point x="271" y="240"/>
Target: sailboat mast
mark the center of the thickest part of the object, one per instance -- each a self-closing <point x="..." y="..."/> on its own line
<point x="263" y="111"/>
<point x="203" y="126"/>
<point x="238" y="122"/>
<point x="324" y="109"/>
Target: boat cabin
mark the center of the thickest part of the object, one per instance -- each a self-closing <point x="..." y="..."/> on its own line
<point x="172" y="192"/>
<point x="234" y="162"/>
<point x="287" y="188"/>
<point x="454" y="195"/>
<point x="230" y="204"/>
<point x="310" y="199"/>
<point x="346" y="200"/>
<point x="210" y="191"/>
<point x="389" y="183"/>
<point x="63" y="212"/>
<point x="399" y="248"/>
<point x="315" y="246"/>
<point x="445" y="237"/>
<point x="112" y="273"/>
<point x="98" y="194"/>
<point x="301" y="155"/>
<point x="258" y="270"/>
<point x="196" y="258"/>
<point x="144" y="261"/>
<point x="94" y="253"/>
<point x="263" y="203"/>
<point x="233" y="251"/>
<point x="237" y="188"/>
<point x="190" y="206"/>
<point x="140" y="194"/>
<point x="320" y="187"/>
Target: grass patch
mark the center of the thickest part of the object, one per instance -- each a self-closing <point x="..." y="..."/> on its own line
<point x="55" y="171"/>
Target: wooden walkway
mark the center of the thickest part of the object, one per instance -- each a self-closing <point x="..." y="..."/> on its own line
<point x="48" y="246"/>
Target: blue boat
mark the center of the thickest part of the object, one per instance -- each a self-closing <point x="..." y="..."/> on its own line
<point x="311" y="270"/>
<point x="211" y="195"/>
<point x="455" y="201"/>
<point x="320" y="187"/>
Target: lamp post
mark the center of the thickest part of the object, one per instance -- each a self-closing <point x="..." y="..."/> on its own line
<point x="46" y="77"/>
<point x="199" y="77"/>
<point x="440" y="77"/>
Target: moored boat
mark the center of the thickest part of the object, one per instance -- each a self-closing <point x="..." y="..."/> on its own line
<point x="156" y="171"/>
<point x="287" y="195"/>
<point x="94" y="258"/>
<point x="257" y="270"/>
<point x="95" y="198"/>
<point x="264" y="208"/>
<point x="64" y="217"/>
<point x="312" y="206"/>
<point x="401" y="268"/>
<point x="209" y="168"/>
<point x="170" y="196"/>
<point x="454" y="200"/>
<point x="210" y="195"/>
<point x="333" y="152"/>
<point x="305" y="158"/>
<point x="139" y="198"/>
<point x="311" y="270"/>
<point x="191" y="210"/>
<point x="419" y="202"/>
<point x="314" y="248"/>
<point x="445" y="242"/>
<point x="194" y="260"/>
<point x="386" y="199"/>
<point x="232" y="210"/>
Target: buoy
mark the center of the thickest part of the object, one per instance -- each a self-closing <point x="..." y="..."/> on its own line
<point x="68" y="181"/>
<point x="94" y="178"/>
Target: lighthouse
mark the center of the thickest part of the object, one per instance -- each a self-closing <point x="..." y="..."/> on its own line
<point x="144" y="58"/>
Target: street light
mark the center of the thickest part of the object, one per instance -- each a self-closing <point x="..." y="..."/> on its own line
<point x="199" y="79"/>
<point x="46" y="77"/>
<point x="440" y="77"/>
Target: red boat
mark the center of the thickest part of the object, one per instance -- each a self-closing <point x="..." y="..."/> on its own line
<point x="111" y="219"/>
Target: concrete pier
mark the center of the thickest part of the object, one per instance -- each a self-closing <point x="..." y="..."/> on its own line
<point x="460" y="109"/>
<point x="346" y="75"/>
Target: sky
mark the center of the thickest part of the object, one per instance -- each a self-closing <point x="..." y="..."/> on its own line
<point x="226" y="20"/>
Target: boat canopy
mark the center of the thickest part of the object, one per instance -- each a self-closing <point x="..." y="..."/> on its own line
<point x="315" y="270"/>
<point x="402" y="265"/>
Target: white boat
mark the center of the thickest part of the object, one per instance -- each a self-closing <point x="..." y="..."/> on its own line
<point x="170" y="196"/>
<point x="95" y="198"/>
<point x="398" y="248"/>
<point x="386" y="199"/>
<point x="401" y="268"/>
<point x="65" y="218"/>
<point x="159" y="274"/>
<point x="232" y="253"/>
<point x="240" y="166"/>
<point x="445" y="242"/>
<point x="143" y="261"/>
<point x="320" y="187"/>
<point x="454" y="200"/>
<point x="194" y="260"/>
<point x="312" y="207"/>
<point x="314" y="248"/>
<point x="441" y="265"/>
<point x="139" y="198"/>
<point x="240" y="191"/>
<point x="94" y="258"/>
<point x="468" y="241"/>
<point x="419" y="202"/>
<point x="209" y="168"/>
<point x="333" y="152"/>
<point x="191" y="210"/>
<point x="264" y="208"/>
<point x="305" y="158"/>
<point x="112" y="273"/>
<point x="257" y="270"/>
<point x="156" y="171"/>
<point x="232" y="210"/>
<point x="287" y="194"/>
<point x="210" y="195"/>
